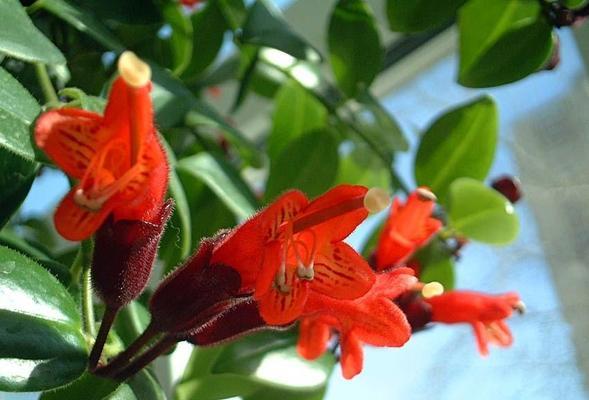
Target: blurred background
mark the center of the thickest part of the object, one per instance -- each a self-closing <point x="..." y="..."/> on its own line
<point x="544" y="142"/>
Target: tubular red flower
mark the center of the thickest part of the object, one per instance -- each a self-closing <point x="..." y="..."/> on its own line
<point x="117" y="158"/>
<point x="408" y="228"/>
<point x="294" y="247"/>
<point x="485" y="313"/>
<point x="371" y="319"/>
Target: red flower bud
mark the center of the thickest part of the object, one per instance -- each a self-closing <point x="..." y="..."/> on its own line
<point x="124" y="253"/>
<point x="194" y="294"/>
<point x="508" y="186"/>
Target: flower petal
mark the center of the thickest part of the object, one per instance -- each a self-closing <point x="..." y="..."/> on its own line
<point x="243" y="247"/>
<point x="341" y="273"/>
<point x="77" y="223"/>
<point x="71" y="138"/>
<point x="480" y="333"/>
<point x="352" y="356"/>
<point x="278" y="308"/>
<point x="314" y="335"/>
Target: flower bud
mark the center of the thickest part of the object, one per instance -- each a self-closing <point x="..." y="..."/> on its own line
<point x="124" y="253"/>
<point x="508" y="186"/>
<point x="194" y="294"/>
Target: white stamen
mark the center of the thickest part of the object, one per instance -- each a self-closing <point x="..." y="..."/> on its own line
<point x="306" y="272"/>
<point x="133" y="70"/>
<point x="432" y="289"/>
<point x="520" y="307"/>
<point x="376" y="200"/>
<point x="425" y="194"/>
<point x="82" y="200"/>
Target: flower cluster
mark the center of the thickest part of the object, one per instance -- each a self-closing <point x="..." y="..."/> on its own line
<point x="287" y="264"/>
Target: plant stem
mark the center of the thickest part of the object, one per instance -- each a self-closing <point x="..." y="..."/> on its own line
<point x="87" y="304"/>
<point x="123" y="359"/>
<point x="45" y="83"/>
<point x="146" y="358"/>
<point x="81" y="262"/>
<point x="107" y="320"/>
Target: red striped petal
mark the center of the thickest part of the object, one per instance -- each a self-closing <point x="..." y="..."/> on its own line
<point x="278" y="308"/>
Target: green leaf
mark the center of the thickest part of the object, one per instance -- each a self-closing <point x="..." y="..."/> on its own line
<point x="16" y="177"/>
<point x="355" y="51"/>
<point x="131" y="321"/>
<point x="134" y="12"/>
<point x="360" y="167"/>
<point x="255" y="366"/>
<point x="296" y="112"/>
<point x="575" y="4"/>
<point x="223" y="180"/>
<point x="181" y="39"/>
<point x="308" y="163"/>
<point x="266" y="27"/>
<point x="437" y="265"/>
<point x="208" y="32"/>
<point x="420" y="15"/>
<point x="502" y="41"/>
<point x="18" y="109"/>
<point x="146" y="387"/>
<point x="481" y="213"/>
<point x="82" y="20"/>
<point x="87" y="387"/>
<point x="459" y="143"/>
<point x="79" y="99"/>
<point x="41" y="342"/>
<point x="19" y="38"/>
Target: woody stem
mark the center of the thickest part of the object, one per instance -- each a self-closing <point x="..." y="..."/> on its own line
<point x="123" y="359"/>
<point x="107" y="320"/>
<point x="146" y="358"/>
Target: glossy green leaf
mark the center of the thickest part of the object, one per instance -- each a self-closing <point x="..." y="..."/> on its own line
<point x="146" y="387"/>
<point x="131" y="321"/>
<point x="16" y="178"/>
<point x="266" y="27"/>
<point x="41" y="342"/>
<point x="308" y="163"/>
<point x="223" y="180"/>
<point x="361" y="167"/>
<point x="19" y="38"/>
<point x="355" y="51"/>
<point x="82" y="20"/>
<point x="254" y="366"/>
<point x="502" y="41"/>
<point x="420" y="15"/>
<point x="296" y="112"/>
<point x="459" y="143"/>
<point x="208" y="32"/>
<point x="575" y="3"/>
<point x="87" y="387"/>
<point x="181" y="40"/>
<point x="135" y="12"/>
<point x="436" y="263"/>
<point x="18" y="109"/>
<point x="481" y="213"/>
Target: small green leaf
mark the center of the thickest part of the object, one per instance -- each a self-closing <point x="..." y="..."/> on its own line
<point x="266" y="27"/>
<point x="296" y="112"/>
<point x="355" y="51"/>
<point x="223" y="180"/>
<point x="181" y="40"/>
<point x="19" y="38"/>
<point x="79" y="99"/>
<point x="16" y="177"/>
<point x="361" y="167"/>
<point x="502" y="41"/>
<point x="208" y="32"/>
<point x="82" y="20"/>
<point x="87" y="387"/>
<point x="481" y="213"/>
<point x="18" y="109"/>
<point x="134" y="12"/>
<point x="41" y="341"/>
<point x="420" y="15"/>
<point x="309" y="163"/>
<point x="435" y="261"/>
<point x="459" y="143"/>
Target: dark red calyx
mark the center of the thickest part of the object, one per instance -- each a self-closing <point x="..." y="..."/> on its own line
<point x="417" y="311"/>
<point x="124" y="253"/>
<point x="508" y="186"/>
<point x="194" y="294"/>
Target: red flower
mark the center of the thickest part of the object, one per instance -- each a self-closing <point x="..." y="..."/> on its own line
<point x="408" y="227"/>
<point x="485" y="313"/>
<point x="117" y="158"/>
<point x="294" y="247"/>
<point x="190" y="3"/>
<point x="372" y="319"/>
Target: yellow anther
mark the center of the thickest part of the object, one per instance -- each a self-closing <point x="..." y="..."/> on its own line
<point x="133" y="70"/>
<point x="432" y="289"/>
<point x="426" y="194"/>
<point x="376" y="200"/>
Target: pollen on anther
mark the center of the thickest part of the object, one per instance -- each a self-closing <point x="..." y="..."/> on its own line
<point x="376" y="200"/>
<point x="432" y="289"/>
<point x="133" y="70"/>
<point x="425" y="194"/>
